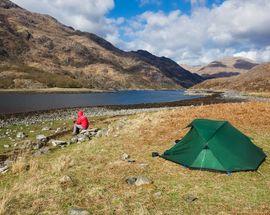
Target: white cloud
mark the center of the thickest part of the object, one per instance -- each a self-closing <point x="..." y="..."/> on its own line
<point x="86" y="15"/>
<point x="261" y="55"/>
<point x="146" y="2"/>
<point x="235" y="27"/>
<point x="206" y="34"/>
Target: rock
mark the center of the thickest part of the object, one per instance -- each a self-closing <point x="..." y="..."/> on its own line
<point x="143" y="165"/>
<point x="158" y="194"/>
<point x="93" y="130"/>
<point x="78" y="211"/>
<point x="8" y="162"/>
<point x="7" y="4"/>
<point x="46" y="129"/>
<point x="84" y="131"/>
<point x="41" y="151"/>
<point x="138" y="181"/>
<point x="3" y="169"/>
<point x="6" y="146"/>
<point x="131" y="160"/>
<point x="38" y="145"/>
<point x="125" y="156"/>
<point x="73" y="140"/>
<point x="65" y="180"/>
<point x="142" y="180"/>
<point x="58" y="130"/>
<point x="21" y="135"/>
<point x="41" y="138"/>
<point x="189" y="198"/>
<point x="102" y="132"/>
<point x="82" y="137"/>
<point x="58" y="143"/>
<point x="131" y="180"/>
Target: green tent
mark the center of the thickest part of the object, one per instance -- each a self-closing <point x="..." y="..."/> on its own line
<point x="215" y="145"/>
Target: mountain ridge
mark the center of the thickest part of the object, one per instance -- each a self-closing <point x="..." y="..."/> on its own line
<point x="37" y="50"/>
<point x="255" y="80"/>
<point x="225" y="67"/>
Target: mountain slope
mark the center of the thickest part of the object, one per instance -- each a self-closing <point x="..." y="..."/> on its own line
<point x="38" y="51"/>
<point x="226" y="67"/>
<point x="170" y="68"/>
<point x="255" y="80"/>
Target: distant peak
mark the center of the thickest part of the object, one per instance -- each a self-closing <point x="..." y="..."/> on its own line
<point x="7" y="4"/>
<point x="141" y="51"/>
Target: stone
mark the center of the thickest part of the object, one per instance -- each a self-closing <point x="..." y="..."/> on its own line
<point x="8" y="162"/>
<point x="65" y="180"/>
<point x="41" y="151"/>
<point x="143" y="165"/>
<point x="131" y="160"/>
<point x="158" y="194"/>
<point x="102" y="132"/>
<point x="78" y="211"/>
<point x="84" y="131"/>
<point x="46" y="129"/>
<point x="6" y="146"/>
<point x="82" y="137"/>
<point x="73" y="140"/>
<point x="142" y="180"/>
<point x="138" y="181"/>
<point x="93" y="130"/>
<point x="58" y="130"/>
<point x="125" y="156"/>
<point x="38" y="145"/>
<point x="41" y="138"/>
<point x="3" y="169"/>
<point x="58" y="143"/>
<point x="190" y="198"/>
<point x="131" y="180"/>
<point x="21" y="135"/>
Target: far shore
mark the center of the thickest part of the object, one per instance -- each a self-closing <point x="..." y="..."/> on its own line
<point x="70" y="90"/>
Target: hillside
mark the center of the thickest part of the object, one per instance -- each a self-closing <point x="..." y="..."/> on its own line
<point x="255" y="80"/>
<point x="96" y="172"/>
<point x="36" y="51"/>
<point x="226" y="67"/>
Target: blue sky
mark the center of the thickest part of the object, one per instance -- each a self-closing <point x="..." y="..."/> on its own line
<point x="191" y="32"/>
<point x="130" y="8"/>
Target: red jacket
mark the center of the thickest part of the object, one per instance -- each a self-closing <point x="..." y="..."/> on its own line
<point x="82" y="120"/>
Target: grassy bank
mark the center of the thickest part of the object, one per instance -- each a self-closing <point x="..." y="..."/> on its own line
<point x="98" y="174"/>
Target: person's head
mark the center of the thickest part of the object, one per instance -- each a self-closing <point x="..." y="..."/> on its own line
<point x="80" y="113"/>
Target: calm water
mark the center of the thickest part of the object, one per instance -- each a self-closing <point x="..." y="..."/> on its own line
<point x="18" y="102"/>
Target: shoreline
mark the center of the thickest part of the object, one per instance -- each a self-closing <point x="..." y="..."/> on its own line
<point x="110" y="110"/>
<point x="72" y="90"/>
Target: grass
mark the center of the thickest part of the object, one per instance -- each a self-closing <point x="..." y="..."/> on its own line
<point x="48" y="79"/>
<point x="260" y="94"/>
<point x="98" y="174"/>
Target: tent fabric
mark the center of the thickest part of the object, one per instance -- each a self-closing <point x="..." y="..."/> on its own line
<point x="215" y="145"/>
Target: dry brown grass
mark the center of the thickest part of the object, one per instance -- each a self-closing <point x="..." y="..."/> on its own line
<point x="98" y="173"/>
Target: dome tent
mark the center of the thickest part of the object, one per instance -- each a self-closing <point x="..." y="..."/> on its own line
<point x="215" y="145"/>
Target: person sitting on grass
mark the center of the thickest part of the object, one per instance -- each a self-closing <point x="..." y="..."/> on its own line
<point x="81" y="123"/>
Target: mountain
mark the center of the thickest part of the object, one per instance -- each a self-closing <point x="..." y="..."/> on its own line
<point x="170" y="68"/>
<point x="255" y="80"/>
<point x="226" y="67"/>
<point x="36" y="51"/>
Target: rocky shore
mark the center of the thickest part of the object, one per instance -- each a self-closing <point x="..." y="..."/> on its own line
<point x="114" y="110"/>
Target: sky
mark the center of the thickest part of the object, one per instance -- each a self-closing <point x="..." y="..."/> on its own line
<point x="193" y="32"/>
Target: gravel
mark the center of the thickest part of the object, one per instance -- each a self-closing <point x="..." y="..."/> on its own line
<point x="34" y="118"/>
